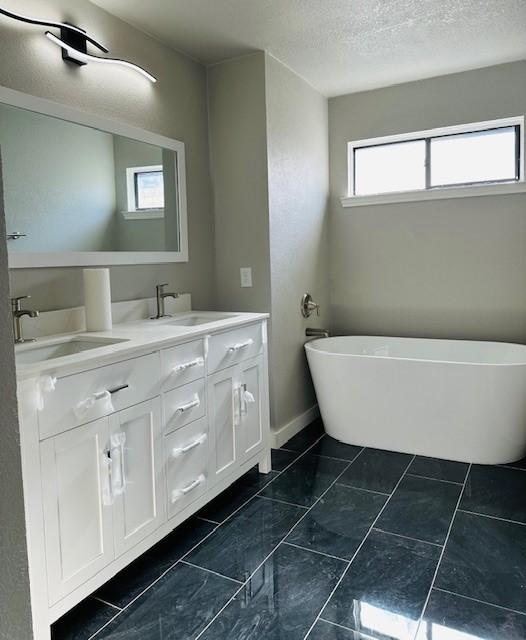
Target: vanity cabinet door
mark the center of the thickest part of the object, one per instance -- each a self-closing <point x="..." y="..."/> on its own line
<point x="137" y="473"/>
<point x="222" y="387"/>
<point x="251" y="408"/>
<point x="77" y="506"/>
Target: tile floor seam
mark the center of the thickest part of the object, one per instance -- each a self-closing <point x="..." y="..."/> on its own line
<point x="418" y="475"/>
<point x="507" y="466"/>
<point x="491" y="604"/>
<point x="208" y="520"/>
<point x="106" y="602"/>
<point x="443" y="552"/>
<point x="360" y="546"/>
<point x="351" y="486"/>
<point x="487" y="515"/>
<point x="341" y="626"/>
<point x="216" y="573"/>
<point x="320" y="553"/>
<point x="290" y="504"/>
<point x="273" y="551"/>
<point x="400" y="535"/>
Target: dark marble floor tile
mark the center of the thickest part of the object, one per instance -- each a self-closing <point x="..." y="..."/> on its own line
<point x="332" y="448"/>
<point x="140" y="574"/>
<point x="439" y="469"/>
<point x="496" y="491"/>
<point x="421" y="509"/>
<point x="520" y="464"/>
<point x="386" y="587"/>
<point x="306" y="437"/>
<point x="449" y="616"/>
<point x="282" y="458"/>
<point x="236" y="548"/>
<point x="281" y="600"/>
<point x="83" y="621"/>
<point x="376" y="470"/>
<point x="178" y="607"/>
<point x="339" y="522"/>
<point x="323" y="630"/>
<point x="305" y="481"/>
<point x="224" y="505"/>
<point x="486" y="559"/>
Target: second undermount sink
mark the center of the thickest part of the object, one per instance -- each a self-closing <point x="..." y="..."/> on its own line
<point x="195" y="319"/>
<point x="32" y="353"/>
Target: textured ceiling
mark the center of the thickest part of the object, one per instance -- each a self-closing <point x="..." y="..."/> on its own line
<point x="340" y="46"/>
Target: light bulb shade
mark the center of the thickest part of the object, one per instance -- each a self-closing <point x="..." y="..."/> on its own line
<point x="84" y="58"/>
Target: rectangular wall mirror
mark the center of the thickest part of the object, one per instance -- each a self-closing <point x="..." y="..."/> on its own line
<point x="80" y="190"/>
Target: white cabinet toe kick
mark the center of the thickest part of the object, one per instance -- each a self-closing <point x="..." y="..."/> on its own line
<point x="116" y="456"/>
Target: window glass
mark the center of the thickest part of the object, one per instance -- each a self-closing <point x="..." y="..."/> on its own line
<point x="149" y="187"/>
<point x="390" y="167"/>
<point x="484" y="156"/>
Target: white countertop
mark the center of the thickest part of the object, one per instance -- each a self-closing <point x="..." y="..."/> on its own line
<point x="137" y="337"/>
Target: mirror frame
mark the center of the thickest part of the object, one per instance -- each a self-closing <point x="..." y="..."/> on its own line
<point x="31" y="260"/>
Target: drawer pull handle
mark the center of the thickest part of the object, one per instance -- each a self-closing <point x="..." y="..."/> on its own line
<point x="85" y="406"/>
<point x="119" y="388"/>
<point x="180" y="451"/>
<point x="190" y="405"/>
<point x="240" y="345"/>
<point x="180" y="493"/>
<point x="180" y="368"/>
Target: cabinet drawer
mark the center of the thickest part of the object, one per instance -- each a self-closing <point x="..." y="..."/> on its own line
<point x="82" y="398"/>
<point x="231" y="347"/>
<point x="186" y="452"/>
<point x="184" y="405"/>
<point x="183" y="364"/>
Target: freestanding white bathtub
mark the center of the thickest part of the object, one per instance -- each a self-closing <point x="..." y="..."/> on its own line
<point x="454" y="399"/>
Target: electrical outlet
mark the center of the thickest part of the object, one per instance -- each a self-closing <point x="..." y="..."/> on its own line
<point x="246" y="276"/>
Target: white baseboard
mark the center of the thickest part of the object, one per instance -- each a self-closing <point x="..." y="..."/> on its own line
<point x="284" y="433"/>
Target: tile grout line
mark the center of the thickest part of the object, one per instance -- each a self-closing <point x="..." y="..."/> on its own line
<point x="360" y="546"/>
<point x="208" y="520"/>
<point x="171" y="567"/>
<point x="489" y="604"/>
<point x="351" y="486"/>
<point x="216" y="573"/>
<point x="279" y="543"/>
<point x="340" y="626"/>
<point x="108" y="604"/>
<point x="320" y="553"/>
<point x="290" y="504"/>
<point x="443" y="552"/>
<point x="418" y="475"/>
<point x="486" y="515"/>
<point x="399" y="535"/>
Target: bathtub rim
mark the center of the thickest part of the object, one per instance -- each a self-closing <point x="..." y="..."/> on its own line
<point x="312" y="346"/>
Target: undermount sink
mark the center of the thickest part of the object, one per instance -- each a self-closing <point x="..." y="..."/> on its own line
<point x="197" y="319"/>
<point x="35" y="352"/>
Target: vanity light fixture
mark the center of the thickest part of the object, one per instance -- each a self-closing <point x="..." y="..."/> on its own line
<point x="74" y="43"/>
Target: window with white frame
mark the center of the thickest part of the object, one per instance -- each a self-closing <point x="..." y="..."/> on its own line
<point x="145" y="189"/>
<point x="486" y="153"/>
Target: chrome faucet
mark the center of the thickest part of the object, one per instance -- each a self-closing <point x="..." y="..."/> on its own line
<point x="161" y="297"/>
<point x="18" y="313"/>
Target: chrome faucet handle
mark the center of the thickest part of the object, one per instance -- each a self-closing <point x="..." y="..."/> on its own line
<point x="308" y="306"/>
<point x="160" y="287"/>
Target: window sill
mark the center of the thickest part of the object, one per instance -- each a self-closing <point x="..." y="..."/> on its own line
<point x="435" y="194"/>
<point x="151" y="214"/>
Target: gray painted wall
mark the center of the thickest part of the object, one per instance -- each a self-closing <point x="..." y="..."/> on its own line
<point x="15" y="612"/>
<point x="298" y="174"/>
<point x="269" y="158"/>
<point x="59" y="183"/>
<point x="238" y="153"/>
<point x="443" y="268"/>
<point x="176" y="107"/>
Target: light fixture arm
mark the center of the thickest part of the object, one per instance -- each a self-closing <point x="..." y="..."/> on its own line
<point x="64" y="27"/>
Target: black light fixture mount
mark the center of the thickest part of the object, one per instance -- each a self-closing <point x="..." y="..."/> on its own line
<point x="74" y="43"/>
